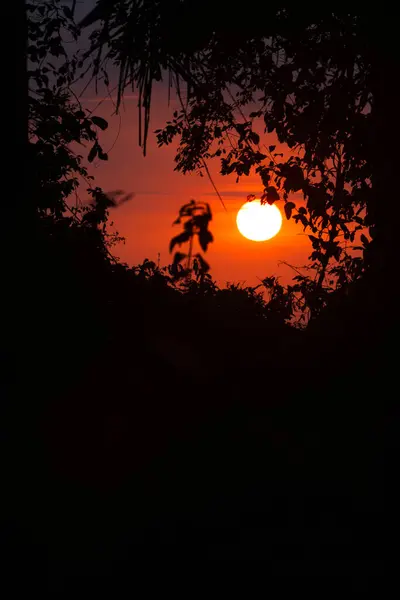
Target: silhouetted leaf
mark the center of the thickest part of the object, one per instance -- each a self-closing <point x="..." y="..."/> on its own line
<point x="271" y="194"/>
<point x="93" y="152"/>
<point x="100" y="122"/>
<point x="187" y="209"/>
<point x="103" y="155"/>
<point x="289" y="206"/>
<point x="364" y="240"/>
<point x="179" y="239"/>
<point x="178" y="257"/>
<point x="205" y="237"/>
<point x="254" y="137"/>
<point x="265" y="176"/>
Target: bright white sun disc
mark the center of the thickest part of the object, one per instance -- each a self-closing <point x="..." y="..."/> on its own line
<point x="259" y="222"/>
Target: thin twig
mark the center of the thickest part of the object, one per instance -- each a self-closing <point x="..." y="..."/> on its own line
<point x="213" y="184"/>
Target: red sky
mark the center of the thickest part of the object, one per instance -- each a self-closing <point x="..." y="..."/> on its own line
<point x="146" y="221"/>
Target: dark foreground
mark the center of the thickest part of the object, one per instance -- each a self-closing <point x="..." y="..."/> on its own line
<point x="147" y="445"/>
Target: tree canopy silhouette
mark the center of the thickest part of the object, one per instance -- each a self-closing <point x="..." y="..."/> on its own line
<point x="320" y="79"/>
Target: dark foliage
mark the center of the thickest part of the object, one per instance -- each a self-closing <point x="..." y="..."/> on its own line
<point x="195" y="218"/>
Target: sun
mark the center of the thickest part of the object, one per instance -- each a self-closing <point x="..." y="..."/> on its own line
<point x="259" y="222"/>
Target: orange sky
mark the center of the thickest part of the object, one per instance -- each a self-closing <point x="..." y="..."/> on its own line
<point x="146" y="220"/>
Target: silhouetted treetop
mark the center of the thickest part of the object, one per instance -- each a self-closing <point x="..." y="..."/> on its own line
<point x="313" y="75"/>
<point x="319" y="79"/>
